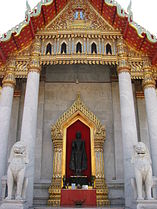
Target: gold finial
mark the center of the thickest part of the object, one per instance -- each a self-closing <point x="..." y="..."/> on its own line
<point x="78" y="96"/>
<point x="79" y="16"/>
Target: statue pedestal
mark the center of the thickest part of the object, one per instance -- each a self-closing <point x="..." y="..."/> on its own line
<point x="78" y="198"/>
<point x="81" y="180"/>
<point x="14" y="204"/>
<point x="146" y="204"/>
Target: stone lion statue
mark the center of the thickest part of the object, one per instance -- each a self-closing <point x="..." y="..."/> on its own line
<point x="143" y="171"/>
<point x="16" y="171"/>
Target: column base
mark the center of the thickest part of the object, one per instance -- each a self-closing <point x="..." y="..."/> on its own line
<point x="14" y="204"/>
<point x="55" y="192"/>
<point x="146" y="204"/>
<point x="101" y="192"/>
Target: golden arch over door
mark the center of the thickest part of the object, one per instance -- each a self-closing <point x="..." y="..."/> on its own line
<point x="78" y="111"/>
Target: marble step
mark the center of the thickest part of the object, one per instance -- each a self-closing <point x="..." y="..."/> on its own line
<point x="111" y="207"/>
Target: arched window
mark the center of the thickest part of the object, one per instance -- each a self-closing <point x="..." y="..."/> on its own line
<point x="63" y="48"/>
<point x="93" y="48"/>
<point x="79" y="48"/>
<point x="49" y="49"/>
<point x="108" y="49"/>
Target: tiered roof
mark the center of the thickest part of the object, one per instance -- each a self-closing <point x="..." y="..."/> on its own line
<point x="22" y="35"/>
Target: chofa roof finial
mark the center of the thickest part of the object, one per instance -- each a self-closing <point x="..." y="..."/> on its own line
<point x="130" y="13"/>
<point x="28" y="8"/>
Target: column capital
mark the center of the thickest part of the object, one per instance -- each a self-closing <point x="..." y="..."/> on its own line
<point x="9" y="78"/>
<point x="34" y="65"/>
<point x="123" y="65"/>
<point x="148" y="81"/>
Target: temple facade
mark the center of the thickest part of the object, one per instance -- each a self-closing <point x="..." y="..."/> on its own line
<point x="78" y="66"/>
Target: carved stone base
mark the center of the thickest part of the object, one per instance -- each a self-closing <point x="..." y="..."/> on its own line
<point x="14" y="204"/>
<point x="101" y="192"/>
<point x="55" y="192"/>
<point x="146" y="204"/>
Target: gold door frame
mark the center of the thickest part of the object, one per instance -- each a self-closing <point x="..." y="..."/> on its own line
<point x="83" y="119"/>
<point x="78" y="111"/>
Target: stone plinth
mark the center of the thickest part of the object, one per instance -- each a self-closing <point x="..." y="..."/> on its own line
<point x="14" y="204"/>
<point x="146" y="204"/>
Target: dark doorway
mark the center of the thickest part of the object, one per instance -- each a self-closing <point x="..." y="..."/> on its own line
<point x="79" y="48"/>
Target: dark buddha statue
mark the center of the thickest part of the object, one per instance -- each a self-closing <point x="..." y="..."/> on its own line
<point x="78" y="161"/>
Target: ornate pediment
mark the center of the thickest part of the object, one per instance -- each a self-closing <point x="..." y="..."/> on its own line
<point x="79" y="15"/>
<point x="78" y="108"/>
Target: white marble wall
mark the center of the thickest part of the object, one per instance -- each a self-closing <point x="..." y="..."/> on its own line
<point x="22" y="97"/>
<point x="54" y="99"/>
<point x="143" y="125"/>
<point x="13" y="123"/>
<point x="39" y="138"/>
<point x="117" y="132"/>
<point x="58" y="98"/>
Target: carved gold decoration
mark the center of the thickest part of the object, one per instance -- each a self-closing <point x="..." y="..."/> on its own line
<point x="21" y="69"/>
<point x="34" y="65"/>
<point x="78" y="111"/>
<point x="91" y="18"/>
<point x="123" y="65"/>
<point x="55" y="192"/>
<point x="101" y="192"/>
<point x="148" y="81"/>
<point x="9" y="78"/>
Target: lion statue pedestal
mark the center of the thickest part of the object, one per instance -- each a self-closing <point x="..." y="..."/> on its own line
<point x="143" y="182"/>
<point x="14" y="204"/>
<point x="146" y="204"/>
<point x="16" y="180"/>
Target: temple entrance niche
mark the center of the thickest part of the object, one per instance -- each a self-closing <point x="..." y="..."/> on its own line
<point x="78" y="158"/>
<point x="64" y="133"/>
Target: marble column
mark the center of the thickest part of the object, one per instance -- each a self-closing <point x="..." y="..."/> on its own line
<point x="6" y="100"/>
<point x="29" y="120"/>
<point x="129" y="130"/>
<point x="151" y="111"/>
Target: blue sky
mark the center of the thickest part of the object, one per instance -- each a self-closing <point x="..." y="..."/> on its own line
<point x="12" y="12"/>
